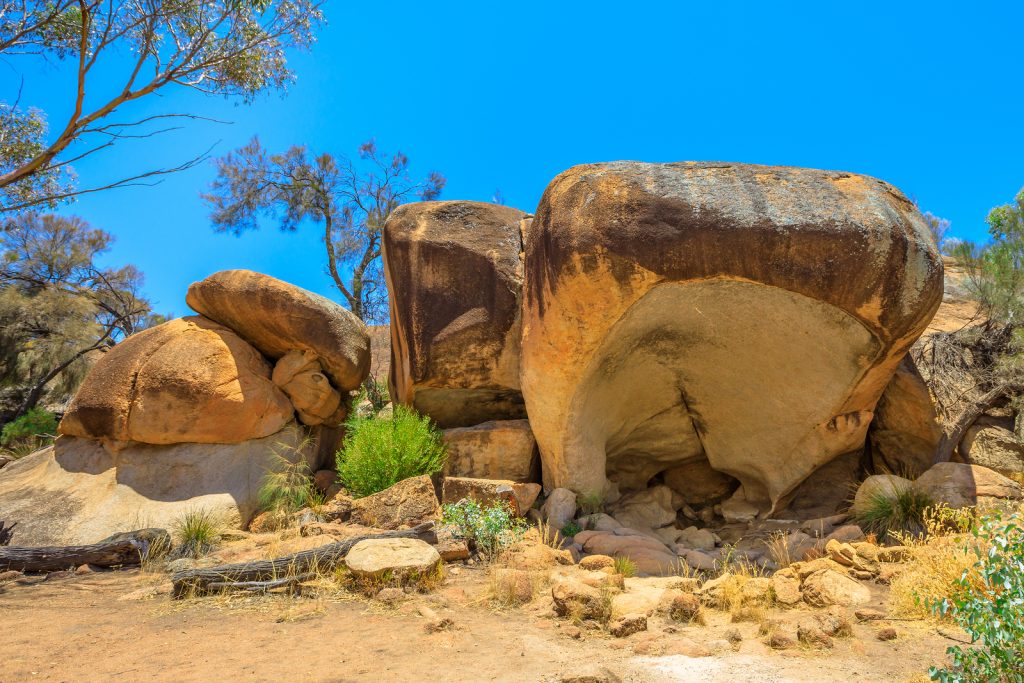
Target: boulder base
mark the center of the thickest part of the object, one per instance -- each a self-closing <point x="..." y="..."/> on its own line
<point x="959" y="485"/>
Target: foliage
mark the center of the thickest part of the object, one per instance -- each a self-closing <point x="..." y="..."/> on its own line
<point x="988" y="603"/>
<point x="901" y="511"/>
<point x="374" y="391"/>
<point x="570" y="530"/>
<point x="380" y="452"/>
<point x="220" y="47"/>
<point x="288" y="486"/>
<point x="351" y="204"/>
<point x="938" y="227"/>
<point x="197" y="532"/>
<point x="625" y="566"/>
<point x="33" y="424"/>
<point x="590" y="503"/>
<point x="488" y="529"/>
<point x="58" y="305"/>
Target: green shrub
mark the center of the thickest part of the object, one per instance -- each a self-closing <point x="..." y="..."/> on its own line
<point x="197" y="532"/>
<point x="988" y="603"/>
<point x="570" y="530"/>
<point x="488" y="529"/>
<point x="380" y="452"/>
<point x="37" y="425"/>
<point x="894" y="514"/>
<point x="625" y="566"/>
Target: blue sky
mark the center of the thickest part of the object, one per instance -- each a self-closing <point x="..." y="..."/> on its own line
<point x="923" y="95"/>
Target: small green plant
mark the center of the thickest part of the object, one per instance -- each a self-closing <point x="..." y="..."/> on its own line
<point x="625" y="566"/>
<point x="380" y="452"/>
<point x="488" y="529"/>
<point x="288" y="486"/>
<point x="197" y="532"/>
<point x="888" y="514"/>
<point x="570" y="530"/>
<point x="988" y="603"/>
<point x="30" y="432"/>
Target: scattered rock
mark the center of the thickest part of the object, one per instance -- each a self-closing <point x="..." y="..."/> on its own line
<point x="787" y="588"/>
<point x="650" y="556"/>
<point x="828" y="587"/>
<point x="886" y="634"/>
<point x="810" y="634"/>
<point x="737" y="509"/>
<point x="451" y="549"/>
<point x="649" y="508"/>
<point x="597" y="562"/>
<point x="10" y="575"/>
<point x="699" y="539"/>
<point x="869" y="614"/>
<point x="500" y="449"/>
<point x="896" y="553"/>
<point x="489" y="491"/>
<point x="628" y="625"/>
<point x="599" y="522"/>
<point x="573" y="598"/>
<point x="391" y="596"/>
<point x="685" y="607"/>
<point x="695" y="559"/>
<point x="734" y="636"/>
<point x="406" y="504"/>
<point x="337" y="509"/>
<point x="846" y="534"/>
<point x="560" y="508"/>
<point x="324" y="480"/>
<point x="399" y="560"/>
<point x="780" y="641"/>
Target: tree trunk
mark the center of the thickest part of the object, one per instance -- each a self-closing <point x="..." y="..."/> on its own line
<point x="325" y="558"/>
<point x="120" y="550"/>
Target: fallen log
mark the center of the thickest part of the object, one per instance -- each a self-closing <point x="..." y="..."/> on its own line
<point x="122" y="550"/>
<point x="262" y="586"/>
<point x="195" y="582"/>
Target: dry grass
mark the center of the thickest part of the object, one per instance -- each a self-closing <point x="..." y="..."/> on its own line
<point x="510" y="588"/>
<point x="625" y="566"/>
<point x="778" y="548"/>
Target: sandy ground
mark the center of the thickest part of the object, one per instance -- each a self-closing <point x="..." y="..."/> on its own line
<point x="93" y="627"/>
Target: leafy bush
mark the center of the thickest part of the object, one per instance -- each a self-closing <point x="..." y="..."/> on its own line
<point x="37" y="427"/>
<point x="378" y="453"/>
<point x="988" y="603"/>
<point x="889" y="514"/>
<point x="570" y="530"/>
<point x="197" y="533"/>
<point x="288" y="487"/>
<point x="488" y="529"/>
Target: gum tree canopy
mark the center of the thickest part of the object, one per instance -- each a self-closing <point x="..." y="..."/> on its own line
<point x="234" y="48"/>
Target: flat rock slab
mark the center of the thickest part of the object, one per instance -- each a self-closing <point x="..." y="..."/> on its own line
<point x="396" y="559"/>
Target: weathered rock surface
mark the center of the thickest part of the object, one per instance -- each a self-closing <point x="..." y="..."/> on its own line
<point x="406" y="504"/>
<point x="905" y="433"/>
<point x="679" y="311"/>
<point x="396" y="559"/>
<point x="78" y="492"/>
<point x="299" y="375"/>
<point x="189" y="380"/>
<point x="829" y="587"/>
<point x="277" y="317"/>
<point x="500" y="449"/>
<point x="645" y="509"/>
<point x="698" y="483"/>
<point x="993" y="447"/>
<point x="559" y="508"/>
<point x="489" y="491"/>
<point x="960" y="485"/>
<point x="650" y="556"/>
<point x="454" y="274"/>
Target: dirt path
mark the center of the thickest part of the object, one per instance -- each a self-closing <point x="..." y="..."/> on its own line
<point x="81" y="628"/>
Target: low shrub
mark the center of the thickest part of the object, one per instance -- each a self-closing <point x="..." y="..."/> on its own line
<point x="570" y="530"/>
<point x="487" y="529"/>
<point x="380" y="452"/>
<point x="34" y="430"/>
<point x="887" y="514"/>
<point x="197" y="532"/>
<point x="987" y="601"/>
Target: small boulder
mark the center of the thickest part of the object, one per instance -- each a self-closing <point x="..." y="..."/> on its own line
<point x="994" y="447"/>
<point x="500" y="449"/>
<point x="787" y="588"/>
<point x="959" y="485"/>
<point x="685" y="607"/>
<point x="560" y="508"/>
<point x="597" y="562"/>
<point x="829" y="587"/>
<point x="573" y="598"/>
<point x="406" y="504"/>
<point x="489" y="491"/>
<point x="399" y="560"/>
<point x="646" y="509"/>
<point x="848" y="533"/>
<point x="628" y="625"/>
<point x="699" y="539"/>
<point x="511" y="587"/>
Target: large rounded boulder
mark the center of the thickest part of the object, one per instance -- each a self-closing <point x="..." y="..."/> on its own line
<point x="277" y="317"/>
<point x="454" y="274"/>
<point x="188" y="380"/>
<point x="749" y="315"/>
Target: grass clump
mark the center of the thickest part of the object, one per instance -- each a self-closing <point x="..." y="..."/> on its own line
<point x="487" y="529"/>
<point x="197" y="532"/>
<point x="380" y="452"/>
<point x="590" y="503"/>
<point x="987" y="601"/>
<point x="625" y="566"/>
<point x="288" y="486"/>
<point x="888" y="514"/>
<point x="34" y="430"/>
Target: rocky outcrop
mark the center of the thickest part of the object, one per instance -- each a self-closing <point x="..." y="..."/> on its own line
<point x="79" y="492"/>
<point x="959" y="485"/>
<point x="674" y="312"/>
<point x="994" y="447"/>
<point x="454" y="273"/>
<point x="189" y="380"/>
<point x="500" y="449"/>
<point x="277" y="317"/>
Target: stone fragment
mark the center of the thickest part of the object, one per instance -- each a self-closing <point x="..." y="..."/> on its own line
<point x="829" y="587"/>
<point x="499" y="449"/>
<point x="573" y="598"/>
<point x="628" y="625"/>
<point x="489" y="491"/>
<point x="559" y="508"/>
<point x="403" y="505"/>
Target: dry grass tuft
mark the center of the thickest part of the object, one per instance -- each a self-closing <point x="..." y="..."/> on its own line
<point x="778" y="548"/>
<point x="625" y="566"/>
